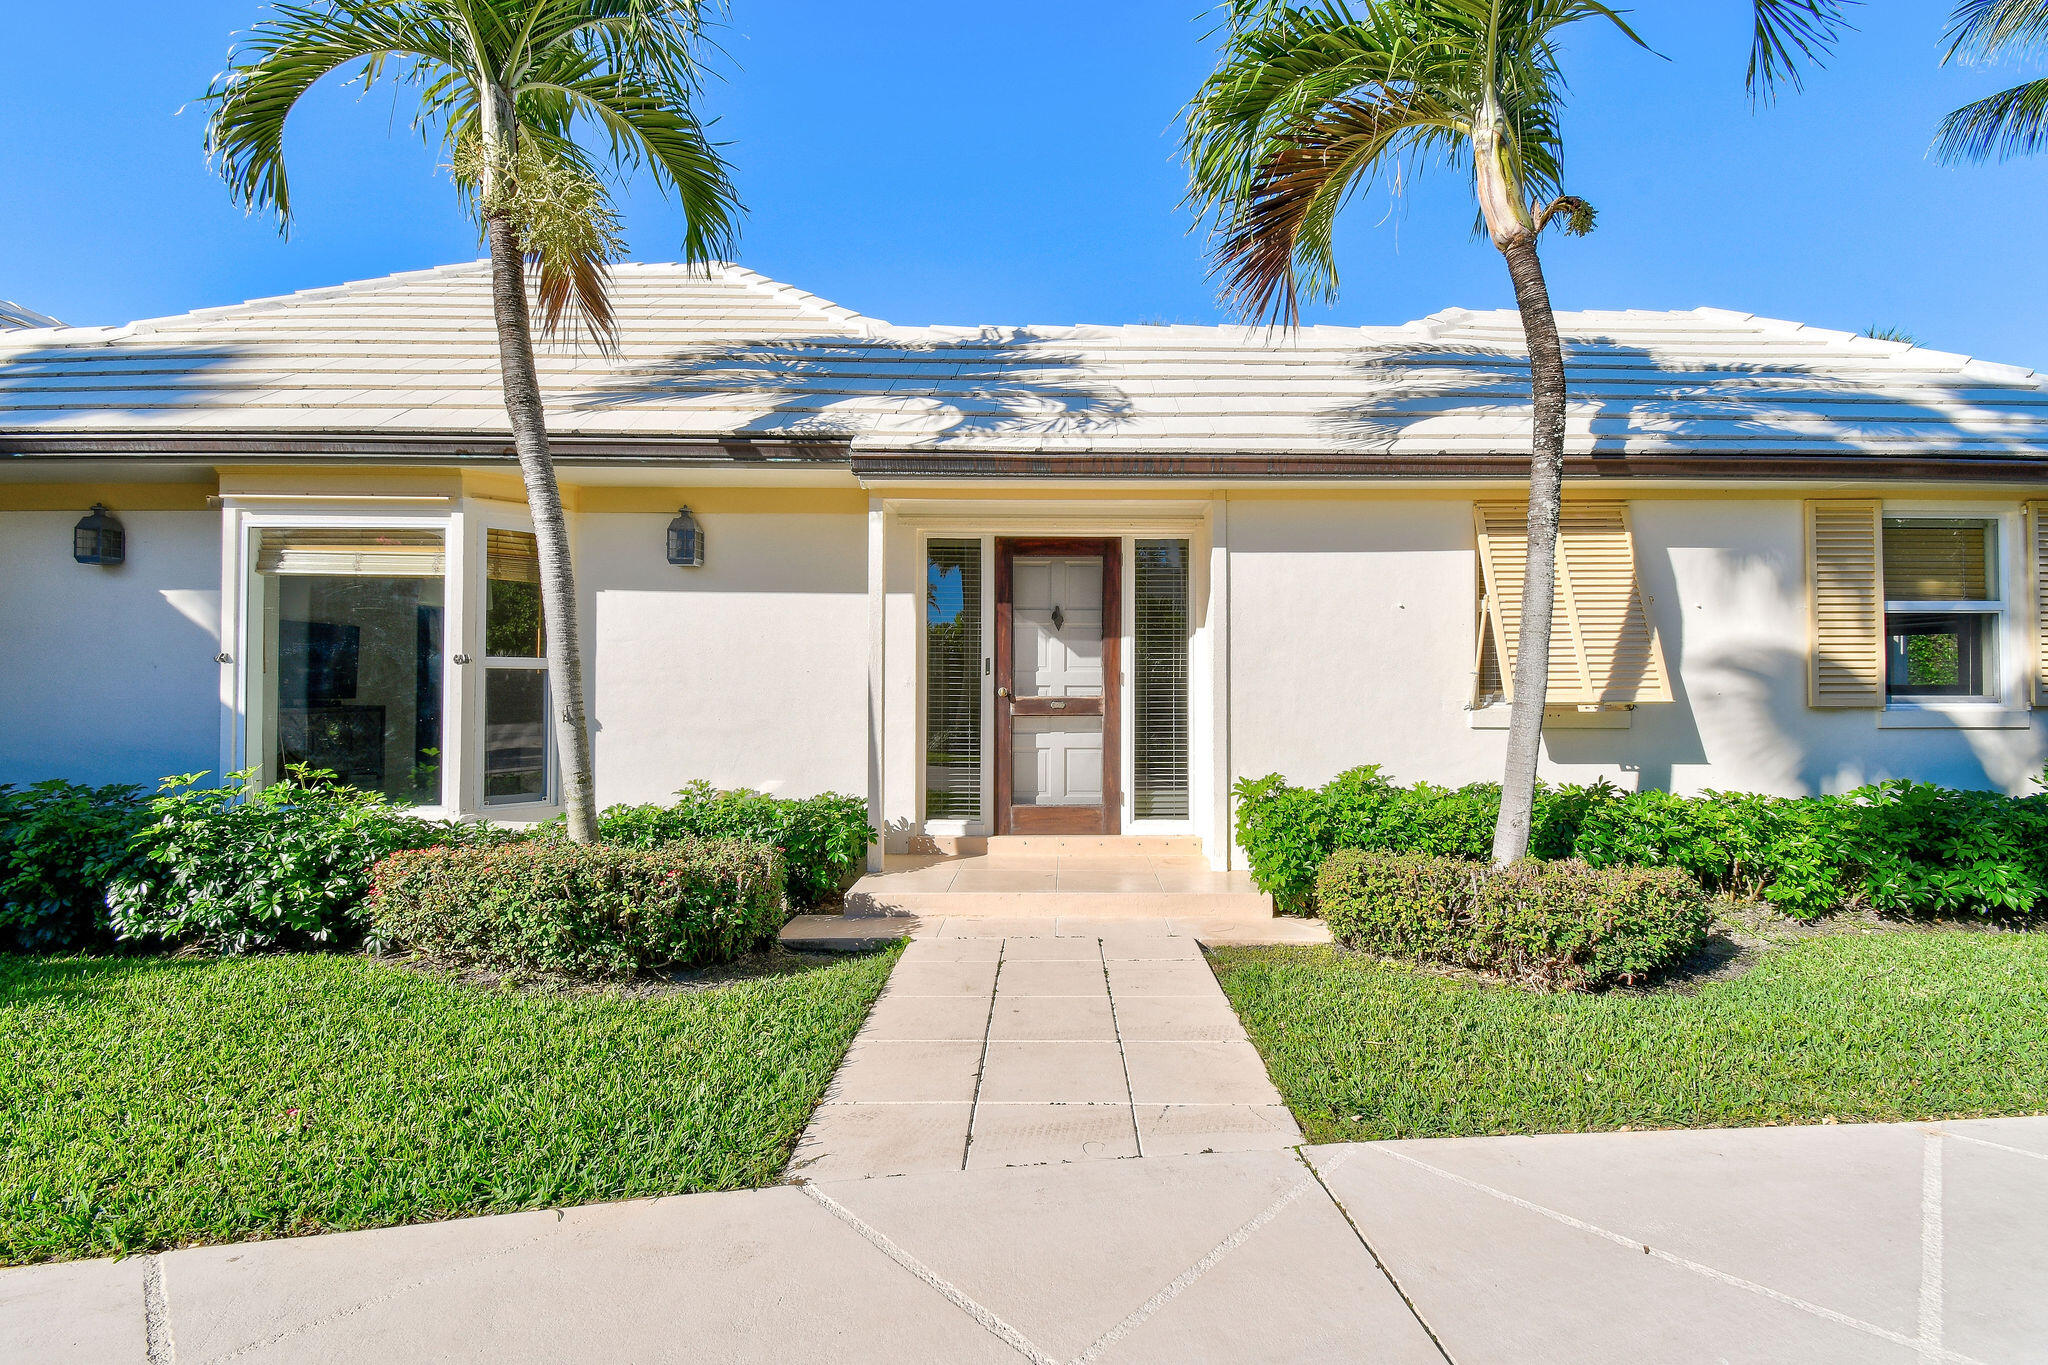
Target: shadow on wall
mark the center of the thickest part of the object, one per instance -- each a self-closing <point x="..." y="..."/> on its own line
<point x="983" y="383"/>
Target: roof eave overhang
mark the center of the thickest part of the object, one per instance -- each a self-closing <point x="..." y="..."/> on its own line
<point x="568" y="448"/>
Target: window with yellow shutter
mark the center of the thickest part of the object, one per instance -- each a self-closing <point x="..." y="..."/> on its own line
<point x="1604" y="649"/>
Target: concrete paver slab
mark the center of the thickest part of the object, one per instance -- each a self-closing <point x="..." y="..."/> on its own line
<point x="928" y="1018"/>
<point x="881" y="1139"/>
<point x="83" y="1310"/>
<point x="1188" y="977"/>
<point x="1197" y="1073"/>
<point x="1150" y="948"/>
<point x="1053" y="978"/>
<point x="2026" y="1134"/>
<point x="878" y="1070"/>
<point x="1054" y="1073"/>
<point x="1186" y="1129"/>
<point x="994" y="926"/>
<point x="1036" y="1134"/>
<point x="1172" y="1018"/>
<point x="936" y="949"/>
<point x="754" y="1276"/>
<point x="1110" y="926"/>
<point x="1052" y="1017"/>
<point x="1053" y="950"/>
<point x="943" y="978"/>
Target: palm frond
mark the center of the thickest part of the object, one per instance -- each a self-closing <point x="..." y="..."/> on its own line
<point x="1998" y="127"/>
<point x="1984" y="30"/>
<point x="1791" y="34"/>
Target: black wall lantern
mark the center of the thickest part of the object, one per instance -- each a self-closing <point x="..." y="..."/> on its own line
<point x="99" y="538"/>
<point x="685" y="541"/>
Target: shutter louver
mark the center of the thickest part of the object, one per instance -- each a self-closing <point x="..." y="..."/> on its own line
<point x="1845" y="577"/>
<point x="1604" y="649"/>
<point x="2037" y="578"/>
<point x="350" y="552"/>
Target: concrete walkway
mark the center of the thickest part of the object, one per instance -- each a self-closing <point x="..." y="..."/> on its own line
<point x="1019" y="1051"/>
<point x="1900" y="1243"/>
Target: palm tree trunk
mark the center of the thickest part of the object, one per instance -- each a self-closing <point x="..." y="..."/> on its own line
<point x="550" y="528"/>
<point x="1531" y="680"/>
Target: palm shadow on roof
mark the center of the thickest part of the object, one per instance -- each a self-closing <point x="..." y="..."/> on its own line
<point x="1628" y="398"/>
<point x="49" y="386"/>
<point x="991" y="382"/>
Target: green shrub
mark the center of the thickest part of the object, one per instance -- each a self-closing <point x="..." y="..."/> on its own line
<point x="1554" y="926"/>
<point x="288" y="865"/>
<point x="595" y="911"/>
<point x="1903" y="848"/>
<point x="61" y="845"/>
<point x="824" y="839"/>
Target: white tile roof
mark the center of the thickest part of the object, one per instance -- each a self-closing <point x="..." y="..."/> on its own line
<point x="721" y="352"/>
<point x="14" y="315"/>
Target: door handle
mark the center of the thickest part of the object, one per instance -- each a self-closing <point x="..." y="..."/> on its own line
<point x="1003" y="692"/>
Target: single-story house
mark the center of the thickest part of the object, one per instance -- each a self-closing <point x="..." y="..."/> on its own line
<point x="1008" y="579"/>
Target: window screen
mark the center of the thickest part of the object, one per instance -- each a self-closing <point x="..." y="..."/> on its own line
<point x="952" y="680"/>
<point x="1159" y="702"/>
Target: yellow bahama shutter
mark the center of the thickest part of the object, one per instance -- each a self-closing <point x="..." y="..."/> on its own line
<point x="1845" y="585"/>
<point x="1603" y="646"/>
<point x="2037" y="565"/>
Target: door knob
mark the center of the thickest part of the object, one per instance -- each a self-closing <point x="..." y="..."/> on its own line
<point x="1003" y="692"/>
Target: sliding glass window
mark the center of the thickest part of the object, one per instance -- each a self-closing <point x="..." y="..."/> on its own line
<point x="1159" y="702"/>
<point x="952" y="680"/>
<point x="351" y="643"/>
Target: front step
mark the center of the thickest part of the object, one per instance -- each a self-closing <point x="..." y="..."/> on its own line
<point x="1094" y="845"/>
<point x="1221" y="905"/>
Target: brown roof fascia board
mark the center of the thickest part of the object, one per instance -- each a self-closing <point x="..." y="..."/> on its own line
<point x="569" y="448"/>
<point x="1746" y="465"/>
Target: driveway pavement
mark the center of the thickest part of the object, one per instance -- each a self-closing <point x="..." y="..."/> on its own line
<point x="1910" y="1242"/>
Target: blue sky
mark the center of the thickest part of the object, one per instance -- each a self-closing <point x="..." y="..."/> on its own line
<point x="1015" y="163"/>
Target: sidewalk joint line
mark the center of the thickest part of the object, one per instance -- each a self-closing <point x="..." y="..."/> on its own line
<point x="1182" y="1282"/>
<point x="1696" y="1267"/>
<point x="1123" y="1058"/>
<point x="1997" y="1146"/>
<point x="1337" y="1161"/>
<point x="158" y="1345"/>
<point x="1931" y="1246"/>
<point x="883" y="1243"/>
<point x="988" y="1029"/>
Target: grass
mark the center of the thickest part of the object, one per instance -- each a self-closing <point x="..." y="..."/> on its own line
<point x="1869" y="1027"/>
<point x="148" y="1103"/>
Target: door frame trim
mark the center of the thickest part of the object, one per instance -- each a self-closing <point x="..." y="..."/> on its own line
<point x="1110" y="548"/>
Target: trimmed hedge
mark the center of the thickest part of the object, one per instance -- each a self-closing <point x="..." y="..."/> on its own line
<point x="1899" y="847"/>
<point x="1554" y="926"/>
<point x="595" y="911"/>
<point x="824" y="839"/>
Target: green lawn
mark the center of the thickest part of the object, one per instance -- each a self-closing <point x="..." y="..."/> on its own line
<point x="148" y="1102"/>
<point x="1871" y="1027"/>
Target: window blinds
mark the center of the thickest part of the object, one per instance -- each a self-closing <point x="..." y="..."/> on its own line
<point x="512" y="557"/>
<point x="1937" y="561"/>
<point x="350" y="552"/>
<point x="952" y="680"/>
<point x="1159" y="699"/>
<point x="1603" y="646"/>
<point x="1845" y="603"/>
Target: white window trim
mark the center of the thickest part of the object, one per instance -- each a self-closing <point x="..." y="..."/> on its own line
<point x="244" y="703"/>
<point x="2008" y="708"/>
<point x="485" y="518"/>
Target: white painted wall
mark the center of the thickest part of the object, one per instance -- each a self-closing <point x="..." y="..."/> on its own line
<point x="108" y="674"/>
<point x="750" y="671"/>
<point x="1352" y="632"/>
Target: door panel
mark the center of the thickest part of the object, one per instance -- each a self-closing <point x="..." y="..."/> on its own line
<point x="1056" y="705"/>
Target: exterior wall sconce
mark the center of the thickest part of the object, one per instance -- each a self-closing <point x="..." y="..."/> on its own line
<point x="99" y="538"/>
<point x="685" y="541"/>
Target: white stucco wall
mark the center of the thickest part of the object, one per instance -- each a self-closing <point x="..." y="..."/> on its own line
<point x="750" y="671"/>
<point x="1352" y="637"/>
<point x="108" y="674"/>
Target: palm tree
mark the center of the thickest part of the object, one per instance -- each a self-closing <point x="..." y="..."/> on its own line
<point x="2012" y="122"/>
<point x="1309" y="103"/>
<point x="509" y="86"/>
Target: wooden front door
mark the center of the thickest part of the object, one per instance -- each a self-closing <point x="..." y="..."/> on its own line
<point x="1057" y="742"/>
